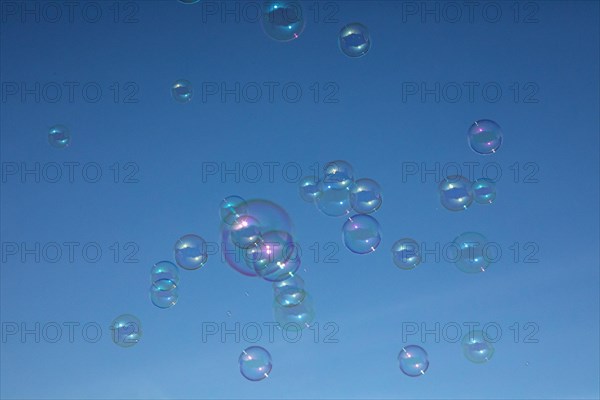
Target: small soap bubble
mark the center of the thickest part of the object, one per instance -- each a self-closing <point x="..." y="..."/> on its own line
<point x="456" y="193"/>
<point x="414" y="360"/>
<point x="182" y="91"/>
<point x="361" y="234"/>
<point x="406" y="253"/>
<point x="59" y="136"/>
<point x="354" y="40"/>
<point x="485" y="136"/>
<point x="484" y="191"/>
<point x="126" y="330"/>
<point x="255" y="363"/>
<point x="476" y="347"/>
<point x="190" y="252"/>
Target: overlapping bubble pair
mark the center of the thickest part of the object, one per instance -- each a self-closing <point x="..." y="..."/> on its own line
<point x="457" y="193"/>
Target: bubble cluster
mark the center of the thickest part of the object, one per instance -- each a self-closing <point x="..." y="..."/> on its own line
<point x="361" y="234"/>
<point x="354" y="40"/>
<point x="476" y="348"/>
<point x="182" y="91"/>
<point x="456" y="193"/>
<point x="255" y="363"/>
<point x="59" y="136"/>
<point x="164" y="290"/>
<point x="414" y="360"/>
<point x="126" y="330"/>
<point x="484" y="191"/>
<point x="406" y="253"/>
<point x="190" y="252"/>
<point x="283" y="21"/>
<point x="472" y="255"/>
<point x="484" y="136"/>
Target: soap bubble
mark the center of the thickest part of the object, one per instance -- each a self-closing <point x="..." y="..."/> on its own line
<point x="354" y="40"/>
<point x="300" y="315"/>
<point x="476" y="348"/>
<point x="231" y="208"/>
<point x="126" y="330"/>
<point x="162" y="295"/>
<point x="283" y="20"/>
<point x="406" y="253"/>
<point x="413" y="360"/>
<point x="59" y="136"/>
<point x="484" y="136"/>
<point x="182" y="91"/>
<point x="456" y="193"/>
<point x="333" y="202"/>
<point x="309" y="188"/>
<point x="361" y="234"/>
<point x="484" y="191"/>
<point x="245" y="231"/>
<point x="472" y="255"/>
<point x="255" y="363"/>
<point x="164" y="271"/>
<point x="190" y="252"/>
<point x="338" y="174"/>
<point x="365" y="196"/>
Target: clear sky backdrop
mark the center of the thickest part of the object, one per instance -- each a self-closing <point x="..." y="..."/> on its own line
<point x="542" y="55"/>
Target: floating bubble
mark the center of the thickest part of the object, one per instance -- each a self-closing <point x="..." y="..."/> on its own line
<point x="231" y="208"/>
<point x="245" y="231"/>
<point x="476" y="348"/>
<point x="255" y="363"/>
<point x="290" y="296"/>
<point x="484" y="191"/>
<point x="456" y="193"/>
<point x="275" y="256"/>
<point x="309" y="188"/>
<point x="484" y="136"/>
<point x="126" y="330"/>
<point x="413" y="360"/>
<point x="365" y="196"/>
<point x="333" y="202"/>
<point x="163" y="297"/>
<point x="361" y="234"/>
<point x="300" y="315"/>
<point x="59" y="136"/>
<point x="229" y="313"/>
<point x="338" y="174"/>
<point x="295" y="281"/>
<point x="190" y="252"/>
<point x="472" y="255"/>
<point x="283" y="20"/>
<point x="182" y="91"/>
<point x="165" y="271"/>
<point x="354" y="40"/>
<point x="406" y="253"/>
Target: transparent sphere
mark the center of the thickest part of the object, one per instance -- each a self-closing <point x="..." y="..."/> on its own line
<point x="484" y="136"/>
<point x="162" y="295"/>
<point x="333" y="202"/>
<point x="165" y="271"/>
<point x="472" y="255"/>
<point x="365" y="196"/>
<point x="295" y="281"/>
<point x="406" y="253"/>
<point x="231" y="208"/>
<point x="309" y="188"/>
<point x="275" y="256"/>
<point x="338" y="174"/>
<point x="283" y="20"/>
<point x="290" y="296"/>
<point x="245" y="231"/>
<point x="476" y="348"/>
<point x="354" y="40"/>
<point x="59" y="136"/>
<point x="182" y="91"/>
<point x="190" y="252"/>
<point x="413" y="360"/>
<point x="126" y="330"/>
<point x="484" y="191"/>
<point x="361" y="234"/>
<point x="456" y="193"/>
<point x="255" y="363"/>
<point x="298" y="310"/>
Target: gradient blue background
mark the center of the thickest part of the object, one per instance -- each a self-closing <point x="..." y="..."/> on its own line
<point x="371" y="127"/>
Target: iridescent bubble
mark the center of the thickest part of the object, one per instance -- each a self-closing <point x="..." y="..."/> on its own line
<point x="361" y="234"/>
<point x="290" y="296"/>
<point x="190" y="252"/>
<point x="295" y="281"/>
<point x="165" y="271"/>
<point x="365" y="196"/>
<point x="406" y="253"/>
<point x="309" y="188"/>
<point x="354" y="40"/>
<point x="231" y="208"/>
<point x="484" y="136"/>
<point x="472" y="252"/>
<point x="333" y="202"/>
<point x="456" y="193"/>
<point x="476" y="348"/>
<point x="126" y="330"/>
<point x="255" y="363"/>
<point x="413" y="360"/>
<point x="59" y="136"/>
<point x="245" y="231"/>
<point x="283" y="20"/>
<point x="338" y="174"/>
<point x="182" y="91"/>
<point x="299" y="315"/>
<point x="484" y="191"/>
<point x="275" y="256"/>
<point x="161" y="296"/>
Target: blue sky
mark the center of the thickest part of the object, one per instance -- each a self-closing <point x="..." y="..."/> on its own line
<point x="550" y="132"/>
